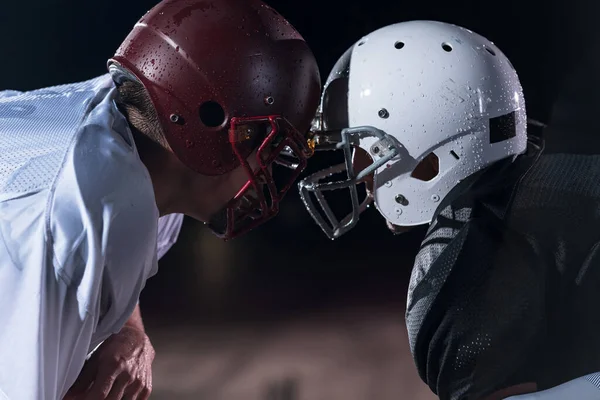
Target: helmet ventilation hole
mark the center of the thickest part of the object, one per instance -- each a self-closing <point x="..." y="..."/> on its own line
<point x="491" y="51"/>
<point x="212" y="114"/>
<point x="447" y="47"/>
<point x="399" y="45"/>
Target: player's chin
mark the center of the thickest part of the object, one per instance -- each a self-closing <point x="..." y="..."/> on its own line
<point x="200" y="216"/>
<point x="207" y="213"/>
<point x="218" y="221"/>
<point x="398" y="230"/>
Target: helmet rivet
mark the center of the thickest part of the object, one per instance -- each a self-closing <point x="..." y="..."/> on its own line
<point x="401" y="200"/>
<point x="269" y="100"/>
<point x="174" y="118"/>
<point x="383" y="113"/>
<point x="435" y="198"/>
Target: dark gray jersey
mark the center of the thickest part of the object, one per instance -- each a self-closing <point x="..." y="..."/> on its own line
<point x="504" y="286"/>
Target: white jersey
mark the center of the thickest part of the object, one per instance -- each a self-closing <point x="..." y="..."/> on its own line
<point x="169" y="227"/>
<point x="78" y="232"/>
<point x="584" y="388"/>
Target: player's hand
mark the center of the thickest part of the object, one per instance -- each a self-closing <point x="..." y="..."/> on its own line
<point x="121" y="369"/>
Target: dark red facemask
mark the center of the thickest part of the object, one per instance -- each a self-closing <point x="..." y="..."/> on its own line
<point x="280" y="158"/>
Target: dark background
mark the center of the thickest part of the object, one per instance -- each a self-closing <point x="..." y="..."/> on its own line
<point x="287" y="270"/>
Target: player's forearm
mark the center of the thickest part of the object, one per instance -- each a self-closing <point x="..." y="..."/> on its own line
<point x="135" y="320"/>
<point x="513" y="390"/>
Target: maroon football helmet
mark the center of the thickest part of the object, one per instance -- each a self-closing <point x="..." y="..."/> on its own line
<point x="228" y="77"/>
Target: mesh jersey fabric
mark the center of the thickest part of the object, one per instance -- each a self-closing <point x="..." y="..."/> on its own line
<point x="501" y="290"/>
<point x="583" y="388"/>
<point x="78" y="227"/>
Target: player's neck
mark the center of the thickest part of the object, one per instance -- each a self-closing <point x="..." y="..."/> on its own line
<point x="161" y="165"/>
<point x="177" y="188"/>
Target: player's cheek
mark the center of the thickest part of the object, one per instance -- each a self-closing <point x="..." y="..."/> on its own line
<point x="361" y="160"/>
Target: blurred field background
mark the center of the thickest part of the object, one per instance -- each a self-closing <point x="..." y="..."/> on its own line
<point x="261" y="323"/>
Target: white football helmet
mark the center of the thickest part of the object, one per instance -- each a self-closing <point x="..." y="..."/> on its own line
<point x="402" y="93"/>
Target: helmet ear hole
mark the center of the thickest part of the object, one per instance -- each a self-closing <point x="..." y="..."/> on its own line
<point x="427" y="169"/>
<point x="212" y="114"/>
